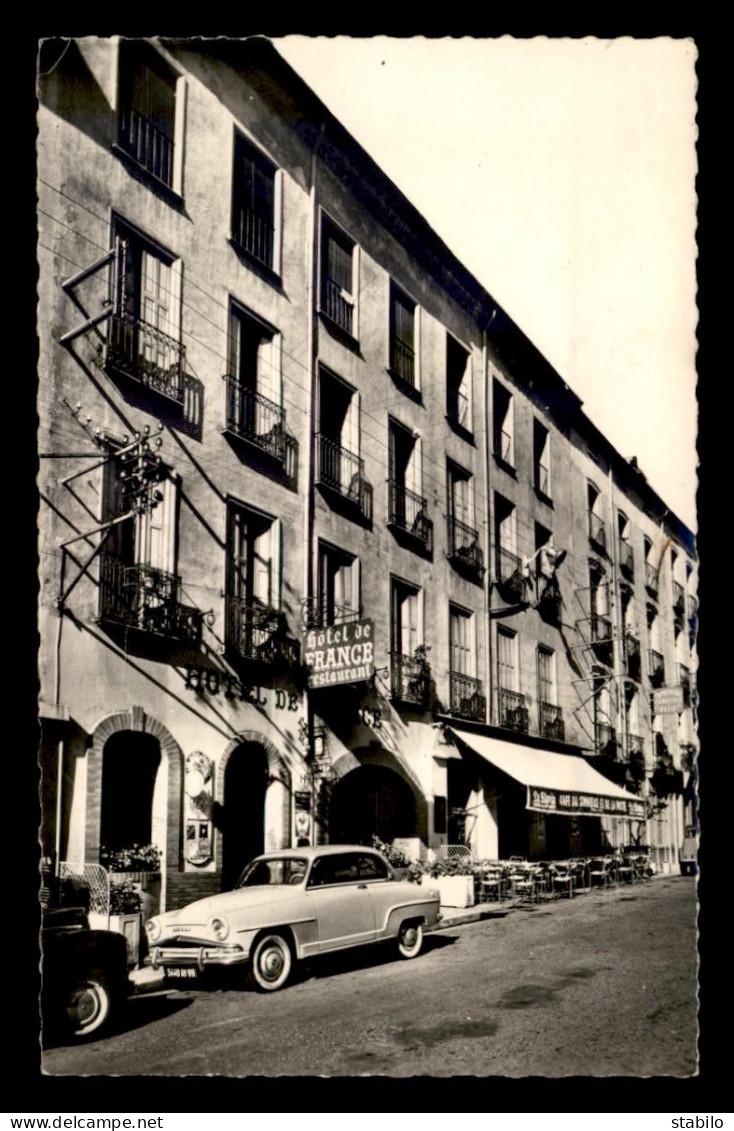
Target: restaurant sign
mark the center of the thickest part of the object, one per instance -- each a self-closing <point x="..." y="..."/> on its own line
<point x="668" y="700"/>
<point x="341" y="654"/>
<point x="578" y="804"/>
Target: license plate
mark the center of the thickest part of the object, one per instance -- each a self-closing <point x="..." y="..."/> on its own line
<point x="180" y="972"/>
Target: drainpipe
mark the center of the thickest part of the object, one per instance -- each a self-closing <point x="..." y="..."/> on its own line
<point x="615" y="608"/>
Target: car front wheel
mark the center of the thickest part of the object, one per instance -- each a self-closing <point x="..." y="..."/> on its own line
<point x="88" y="1004"/>
<point x="410" y="939"/>
<point x="270" y="963"/>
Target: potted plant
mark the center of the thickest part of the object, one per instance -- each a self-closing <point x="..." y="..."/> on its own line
<point x="454" y="879"/>
<point x="395" y="857"/>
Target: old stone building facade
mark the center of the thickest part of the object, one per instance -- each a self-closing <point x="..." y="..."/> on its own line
<point x="327" y="549"/>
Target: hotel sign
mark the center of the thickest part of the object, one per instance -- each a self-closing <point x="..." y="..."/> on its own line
<point x="668" y="700"/>
<point x="578" y="804"/>
<point x="343" y="653"/>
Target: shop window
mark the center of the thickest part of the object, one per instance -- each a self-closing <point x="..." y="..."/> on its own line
<point x="404" y="322"/>
<point x="144" y="341"/>
<point x="458" y="385"/>
<point x="150" y="112"/>
<point x="503" y="417"/>
<point x="255" y="203"/>
<point x="339" y="275"/>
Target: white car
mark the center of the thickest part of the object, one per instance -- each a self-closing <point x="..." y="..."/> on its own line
<point x="292" y="905"/>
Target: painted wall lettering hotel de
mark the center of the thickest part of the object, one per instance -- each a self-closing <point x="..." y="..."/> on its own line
<point x="327" y="548"/>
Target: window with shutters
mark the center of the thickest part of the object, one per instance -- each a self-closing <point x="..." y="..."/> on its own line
<point x="150" y="113"/>
<point x="404" y="320"/>
<point x="338" y="599"/>
<point x="256" y="204"/>
<point x="339" y="277"/>
<point x="503" y="421"/>
<point x="513" y="713"/>
<point x="466" y="696"/>
<point x="254" y="385"/>
<point x="407" y="507"/>
<point x="463" y="549"/>
<point x="144" y="338"/>
<point x="458" y="386"/>
<point x="255" y="630"/>
<point x="410" y="672"/>
<point x="550" y="720"/>
<point x="339" y="467"/>
<point x="541" y="460"/>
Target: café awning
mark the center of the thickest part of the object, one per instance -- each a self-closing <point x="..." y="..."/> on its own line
<point x="555" y="783"/>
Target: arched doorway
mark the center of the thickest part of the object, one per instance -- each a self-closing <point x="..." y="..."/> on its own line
<point x="242" y="817"/>
<point x="130" y="763"/>
<point x="371" y="800"/>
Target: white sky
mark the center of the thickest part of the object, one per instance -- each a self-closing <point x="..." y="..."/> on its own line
<point x="561" y="173"/>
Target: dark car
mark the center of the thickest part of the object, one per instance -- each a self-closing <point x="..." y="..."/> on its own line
<point x="84" y="979"/>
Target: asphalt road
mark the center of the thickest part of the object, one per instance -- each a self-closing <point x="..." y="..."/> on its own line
<point x="604" y="984"/>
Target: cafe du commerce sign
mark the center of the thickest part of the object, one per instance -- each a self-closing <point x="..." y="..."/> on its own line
<point x="341" y="654"/>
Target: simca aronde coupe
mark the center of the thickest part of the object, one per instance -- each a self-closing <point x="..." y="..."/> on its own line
<point x="292" y="905"/>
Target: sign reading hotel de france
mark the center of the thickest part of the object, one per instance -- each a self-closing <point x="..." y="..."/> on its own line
<point x="341" y="654"/>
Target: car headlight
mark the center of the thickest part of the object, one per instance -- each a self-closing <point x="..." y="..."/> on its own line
<point x="153" y="929"/>
<point x="219" y="927"/>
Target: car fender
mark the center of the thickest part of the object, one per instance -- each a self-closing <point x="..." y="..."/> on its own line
<point x="422" y="909"/>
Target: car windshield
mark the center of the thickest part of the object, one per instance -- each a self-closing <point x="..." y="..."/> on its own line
<point x="273" y="872"/>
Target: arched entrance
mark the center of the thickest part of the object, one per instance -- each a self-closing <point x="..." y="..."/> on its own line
<point x="242" y="816"/>
<point x="130" y="763"/>
<point x="371" y="800"/>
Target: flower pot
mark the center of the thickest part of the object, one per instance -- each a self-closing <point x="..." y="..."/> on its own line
<point x="454" y="891"/>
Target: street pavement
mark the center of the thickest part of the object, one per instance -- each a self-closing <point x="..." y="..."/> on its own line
<point x="604" y="984"/>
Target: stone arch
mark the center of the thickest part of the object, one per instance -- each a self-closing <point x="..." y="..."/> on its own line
<point x="278" y="827"/>
<point x="133" y="719"/>
<point x="382" y="759"/>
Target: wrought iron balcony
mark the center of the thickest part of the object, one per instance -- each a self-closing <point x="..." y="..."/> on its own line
<point x="463" y="549"/>
<point x="147" y="143"/>
<point x="601" y="637"/>
<point x="326" y="614"/>
<point x="259" y="421"/>
<point x="597" y="531"/>
<point x="656" y="668"/>
<point x="342" y="472"/>
<point x="258" y="633"/>
<point x="606" y="739"/>
<point x="651" y="578"/>
<point x="679" y="598"/>
<point x="632" y="655"/>
<point x="402" y="361"/>
<point x="509" y="575"/>
<point x="144" y="353"/>
<point x="684" y="681"/>
<point x="551" y="722"/>
<point x="514" y="714"/>
<point x="337" y="306"/>
<point x="626" y="558"/>
<point x="409" y="679"/>
<point x="466" y="697"/>
<point x="254" y="233"/>
<point x="141" y="597"/>
<point x="408" y="512"/>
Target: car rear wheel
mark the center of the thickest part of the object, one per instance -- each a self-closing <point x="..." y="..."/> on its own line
<point x="88" y="1004"/>
<point x="410" y="939"/>
<point x="270" y="963"/>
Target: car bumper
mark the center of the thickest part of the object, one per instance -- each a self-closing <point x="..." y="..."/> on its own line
<point x="198" y="957"/>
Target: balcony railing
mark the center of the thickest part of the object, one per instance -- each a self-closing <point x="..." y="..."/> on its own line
<point x="254" y="233"/>
<point x="408" y="512"/>
<point x="632" y="655"/>
<point x="337" y="306"/>
<point x="656" y="668"/>
<point x="679" y="598"/>
<point x="509" y="575"/>
<point x="147" y="599"/>
<point x="601" y="637"/>
<point x="651" y="578"/>
<point x="254" y="418"/>
<point x="409" y="679"/>
<point x="402" y="361"/>
<point x="257" y="633"/>
<point x="597" y="531"/>
<point x="626" y="558"/>
<point x="606" y="738"/>
<point x="466" y="697"/>
<point x="343" y="472"/>
<point x="513" y="711"/>
<point x="326" y="614"/>
<point x="504" y="447"/>
<point x="551" y="722"/>
<point x="146" y="354"/>
<point x="463" y="549"/>
<point x="684" y="681"/>
<point x="150" y="146"/>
